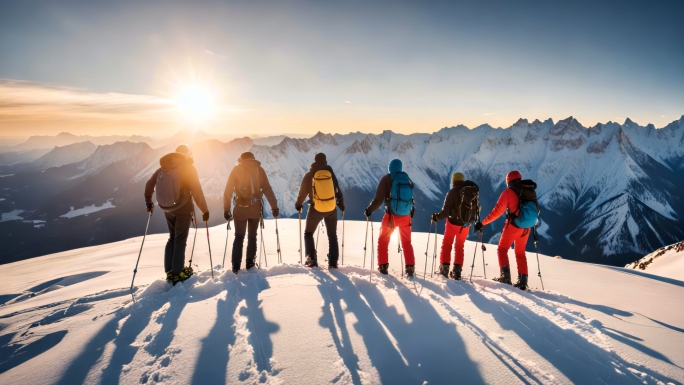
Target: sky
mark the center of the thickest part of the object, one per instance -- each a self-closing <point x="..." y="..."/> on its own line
<point x="257" y="67"/>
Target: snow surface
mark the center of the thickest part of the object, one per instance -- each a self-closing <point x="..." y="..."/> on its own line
<point x="666" y="262"/>
<point x="88" y="209"/>
<point x="68" y="318"/>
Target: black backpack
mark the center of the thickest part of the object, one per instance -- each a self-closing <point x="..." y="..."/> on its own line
<point x="467" y="209"/>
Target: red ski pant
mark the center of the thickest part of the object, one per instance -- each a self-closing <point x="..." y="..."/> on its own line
<point x="453" y="233"/>
<point x="389" y="223"/>
<point x="510" y="235"/>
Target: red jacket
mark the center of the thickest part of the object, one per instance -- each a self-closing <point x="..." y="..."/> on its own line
<point x="508" y="200"/>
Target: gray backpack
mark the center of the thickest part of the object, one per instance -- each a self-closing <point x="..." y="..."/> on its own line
<point x="168" y="191"/>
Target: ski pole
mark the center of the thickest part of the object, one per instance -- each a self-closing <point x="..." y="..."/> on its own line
<point x="135" y="271"/>
<point x="472" y="266"/>
<point x="370" y="268"/>
<point x="401" y="254"/>
<point x="300" y="236"/>
<point x="427" y="247"/>
<point x="484" y="265"/>
<point x="280" y="256"/>
<point x="534" y="229"/>
<point x="365" y="243"/>
<point x="434" y="255"/>
<point x="263" y="247"/>
<point x="223" y="264"/>
<point x="342" y="237"/>
<point x="192" y="252"/>
<point x="261" y="240"/>
<point x="318" y="234"/>
<point x="206" y="225"/>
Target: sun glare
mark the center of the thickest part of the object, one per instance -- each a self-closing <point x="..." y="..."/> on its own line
<point x="196" y="104"/>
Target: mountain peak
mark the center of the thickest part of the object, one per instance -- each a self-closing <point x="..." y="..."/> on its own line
<point x="628" y="121"/>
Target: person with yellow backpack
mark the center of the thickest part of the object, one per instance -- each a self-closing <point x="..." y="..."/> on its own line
<point x="325" y="196"/>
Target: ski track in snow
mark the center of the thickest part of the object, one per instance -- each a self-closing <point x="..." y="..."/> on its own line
<point x="139" y="339"/>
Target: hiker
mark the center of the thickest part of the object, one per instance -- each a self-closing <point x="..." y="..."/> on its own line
<point x="396" y="190"/>
<point x="462" y="209"/>
<point x="519" y="201"/>
<point x="177" y="185"/>
<point x="249" y="182"/>
<point x="320" y="185"/>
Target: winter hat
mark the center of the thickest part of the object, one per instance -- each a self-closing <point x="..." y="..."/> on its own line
<point x="185" y="150"/>
<point x="394" y="166"/>
<point x="457" y="176"/>
<point x="320" y="158"/>
<point x="246" y="155"/>
<point x="513" y="175"/>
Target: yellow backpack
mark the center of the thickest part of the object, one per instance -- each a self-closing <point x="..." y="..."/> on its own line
<point x="323" y="191"/>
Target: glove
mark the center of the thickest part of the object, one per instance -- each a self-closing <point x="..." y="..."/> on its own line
<point x="478" y="226"/>
<point x="275" y="212"/>
<point x="298" y="207"/>
<point x="341" y="206"/>
<point x="433" y="217"/>
<point x="367" y="213"/>
<point x="205" y="217"/>
<point x="150" y="207"/>
<point x="227" y="215"/>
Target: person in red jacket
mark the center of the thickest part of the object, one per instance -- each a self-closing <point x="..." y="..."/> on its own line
<point x="510" y="234"/>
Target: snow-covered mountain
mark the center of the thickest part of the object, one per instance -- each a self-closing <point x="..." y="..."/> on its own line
<point x="65" y="139"/>
<point x="60" y="156"/>
<point x="609" y="193"/>
<point x="69" y="318"/>
<point x="667" y="262"/>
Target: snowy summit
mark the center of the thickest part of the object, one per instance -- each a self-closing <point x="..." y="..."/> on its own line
<point x="69" y="318"/>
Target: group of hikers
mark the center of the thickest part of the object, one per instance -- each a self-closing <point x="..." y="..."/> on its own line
<point x="176" y="185"/>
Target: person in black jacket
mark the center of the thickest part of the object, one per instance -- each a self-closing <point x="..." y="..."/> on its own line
<point x="314" y="216"/>
<point x="250" y="184"/>
<point x="456" y="231"/>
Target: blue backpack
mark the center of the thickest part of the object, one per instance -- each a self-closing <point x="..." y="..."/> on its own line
<point x="528" y="208"/>
<point x="401" y="194"/>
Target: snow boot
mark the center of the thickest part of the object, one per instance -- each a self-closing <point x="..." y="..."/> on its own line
<point x="383" y="268"/>
<point x="235" y="269"/>
<point x="410" y="271"/>
<point x="505" y="276"/>
<point x="444" y="270"/>
<point x="169" y="276"/>
<point x="186" y="273"/>
<point x="522" y="282"/>
<point x="456" y="272"/>
<point x="311" y="261"/>
<point x="249" y="263"/>
<point x="332" y="263"/>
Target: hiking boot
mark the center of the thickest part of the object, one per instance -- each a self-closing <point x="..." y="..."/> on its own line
<point x="332" y="264"/>
<point x="505" y="276"/>
<point x="456" y="272"/>
<point x="249" y="264"/>
<point x="410" y="271"/>
<point x="383" y="268"/>
<point x="522" y="282"/>
<point x="235" y="269"/>
<point x="311" y="261"/>
<point x="444" y="270"/>
<point x="169" y="276"/>
<point x="186" y="273"/>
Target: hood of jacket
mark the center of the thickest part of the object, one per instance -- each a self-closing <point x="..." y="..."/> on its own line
<point x="317" y="166"/>
<point x="250" y="163"/>
<point x="174" y="161"/>
<point x="394" y="166"/>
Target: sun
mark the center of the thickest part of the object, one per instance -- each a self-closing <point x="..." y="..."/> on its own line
<point x="196" y="103"/>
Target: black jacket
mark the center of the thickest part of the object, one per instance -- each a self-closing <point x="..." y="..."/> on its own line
<point x="452" y="201"/>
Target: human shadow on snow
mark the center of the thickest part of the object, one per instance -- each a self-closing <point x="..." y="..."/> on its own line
<point x="570" y="353"/>
<point x="431" y="345"/>
<point x="138" y="317"/>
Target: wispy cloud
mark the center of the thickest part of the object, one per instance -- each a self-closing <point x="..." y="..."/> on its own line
<point x="24" y="101"/>
<point x="348" y="102"/>
<point x="488" y="114"/>
<point x="662" y="116"/>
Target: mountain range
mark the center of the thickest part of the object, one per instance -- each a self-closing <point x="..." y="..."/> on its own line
<point x="608" y="193"/>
